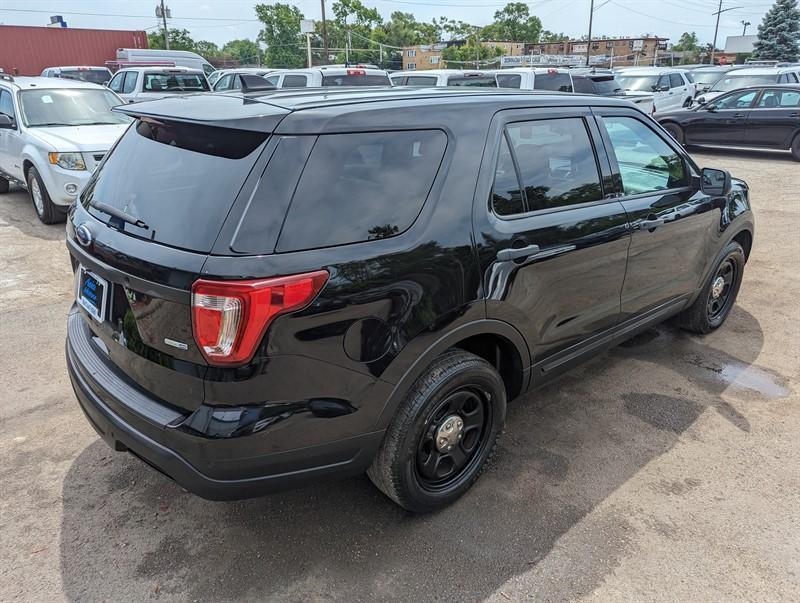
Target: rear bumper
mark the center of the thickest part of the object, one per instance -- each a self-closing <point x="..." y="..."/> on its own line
<point x="217" y="469"/>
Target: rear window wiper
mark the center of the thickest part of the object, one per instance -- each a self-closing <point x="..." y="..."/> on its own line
<point x="118" y="214"/>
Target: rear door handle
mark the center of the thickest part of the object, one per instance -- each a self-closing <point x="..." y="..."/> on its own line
<point x="651" y="223"/>
<point x="517" y="253"/>
<point x="795" y="114"/>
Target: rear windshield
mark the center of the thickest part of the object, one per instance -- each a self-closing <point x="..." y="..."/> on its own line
<point x="174" y="82"/>
<point x="606" y="84"/>
<point x="180" y="179"/>
<point x="356" y="80"/>
<point x="357" y="187"/>
<point x="557" y="82"/>
<point x="95" y="76"/>
<point x="733" y="81"/>
<point x="478" y="81"/>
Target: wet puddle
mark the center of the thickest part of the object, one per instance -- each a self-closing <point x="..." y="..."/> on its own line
<point x="753" y="378"/>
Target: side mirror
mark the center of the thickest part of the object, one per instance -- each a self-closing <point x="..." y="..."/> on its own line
<point x="106" y="83"/>
<point x="660" y="88"/>
<point x="715" y="183"/>
<point x="710" y="107"/>
<point x="6" y="123"/>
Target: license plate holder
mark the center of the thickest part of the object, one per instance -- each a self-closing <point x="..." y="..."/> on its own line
<point x="92" y="293"/>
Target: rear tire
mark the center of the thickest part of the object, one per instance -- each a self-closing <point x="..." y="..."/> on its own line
<point x="675" y="130"/>
<point x="443" y="434"/>
<point x="4" y="185"/>
<point x="796" y="148"/>
<point x="46" y="210"/>
<point x="717" y="298"/>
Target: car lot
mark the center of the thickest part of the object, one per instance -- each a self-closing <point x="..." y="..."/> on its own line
<point x="665" y="469"/>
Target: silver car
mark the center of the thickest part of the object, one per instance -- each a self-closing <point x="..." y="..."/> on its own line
<point x="53" y="133"/>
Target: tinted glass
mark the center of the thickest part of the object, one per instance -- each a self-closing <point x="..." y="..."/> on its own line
<point x="416" y="80"/>
<point x="738" y="100"/>
<point x="174" y="82"/>
<point x="356" y="80"/>
<point x="295" y="81"/>
<point x="582" y="85"/>
<point x="675" y="81"/>
<point x="95" y="76"/>
<point x="6" y="103"/>
<point x="506" y="193"/>
<point x="509" y="80"/>
<point x="556" y="162"/>
<point x="70" y="107"/>
<point x="130" y="82"/>
<point x="646" y="162"/>
<point x="180" y="179"/>
<point x="477" y="81"/>
<point x="357" y="187"/>
<point x="779" y="99"/>
<point x="558" y="82"/>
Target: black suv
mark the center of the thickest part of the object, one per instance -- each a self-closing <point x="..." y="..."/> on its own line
<point x="276" y="287"/>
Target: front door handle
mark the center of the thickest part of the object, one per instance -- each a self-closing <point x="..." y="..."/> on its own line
<point x="517" y="253"/>
<point x="795" y="114"/>
<point x="651" y="223"/>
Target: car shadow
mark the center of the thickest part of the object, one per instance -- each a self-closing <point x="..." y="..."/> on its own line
<point x="129" y="533"/>
<point x="16" y="211"/>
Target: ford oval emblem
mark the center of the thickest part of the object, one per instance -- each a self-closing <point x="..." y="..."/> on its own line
<point x="84" y="235"/>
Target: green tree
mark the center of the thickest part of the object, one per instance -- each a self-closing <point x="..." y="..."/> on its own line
<point x="687" y="42"/>
<point x="245" y="51"/>
<point x="281" y="34"/>
<point x="513" y="23"/>
<point x="179" y="39"/>
<point x="467" y="55"/>
<point x="206" y="49"/>
<point x="403" y="29"/>
<point x="452" y="29"/>
<point x="779" y="32"/>
<point x="550" y="37"/>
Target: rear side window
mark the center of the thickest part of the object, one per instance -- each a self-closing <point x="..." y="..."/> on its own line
<point x="509" y="80"/>
<point x="294" y="81"/>
<point x="482" y="81"/>
<point x="557" y="82"/>
<point x="185" y="180"/>
<point x="583" y="85"/>
<point x="355" y="80"/>
<point x="357" y="187"/>
<point x="416" y="80"/>
<point x="506" y="193"/>
<point x="775" y="99"/>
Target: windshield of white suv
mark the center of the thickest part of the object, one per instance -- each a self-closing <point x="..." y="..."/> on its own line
<point x="174" y="82"/>
<point x="733" y="81"/>
<point x="641" y="83"/>
<point x="94" y="76"/>
<point x="70" y="107"/>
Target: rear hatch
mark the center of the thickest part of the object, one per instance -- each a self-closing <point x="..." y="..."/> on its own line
<point x="146" y="223"/>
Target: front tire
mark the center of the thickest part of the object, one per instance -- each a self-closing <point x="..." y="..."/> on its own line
<point x="4" y="186"/>
<point x="46" y="210"/>
<point x="716" y="300"/>
<point x="796" y="148"/>
<point x="443" y="434"/>
<point x="675" y="131"/>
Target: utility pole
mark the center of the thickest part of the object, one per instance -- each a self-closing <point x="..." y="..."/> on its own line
<point x="347" y="49"/>
<point x="720" y="10"/>
<point x="589" y="41"/>
<point x="166" y="31"/>
<point x="745" y="24"/>
<point x="324" y="35"/>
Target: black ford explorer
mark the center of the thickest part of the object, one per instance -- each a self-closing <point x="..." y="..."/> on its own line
<point x="278" y="287"/>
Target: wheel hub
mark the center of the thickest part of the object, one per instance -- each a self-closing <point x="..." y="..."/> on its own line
<point x="449" y="433"/>
<point x="717" y="287"/>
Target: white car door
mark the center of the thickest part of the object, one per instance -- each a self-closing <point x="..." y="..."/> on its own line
<point x="10" y="139"/>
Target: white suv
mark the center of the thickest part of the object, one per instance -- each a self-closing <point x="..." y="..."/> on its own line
<point x="53" y="133"/>
<point x="751" y="76"/>
<point x="671" y="88"/>
<point x="135" y="84"/>
<point x="319" y="77"/>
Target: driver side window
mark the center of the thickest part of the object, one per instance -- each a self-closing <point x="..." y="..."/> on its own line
<point x="224" y="83"/>
<point x="739" y="100"/>
<point x="6" y="103"/>
<point x="116" y="82"/>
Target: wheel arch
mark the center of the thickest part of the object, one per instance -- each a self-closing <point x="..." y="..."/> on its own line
<point x="495" y="341"/>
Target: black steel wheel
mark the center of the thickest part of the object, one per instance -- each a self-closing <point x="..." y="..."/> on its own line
<point x="443" y="433"/>
<point x="715" y="301"/>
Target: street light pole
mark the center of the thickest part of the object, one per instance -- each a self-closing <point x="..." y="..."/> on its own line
<point x="720" y="10"/>
<point x="324" y="35"/>
<point x="745" y="24"/>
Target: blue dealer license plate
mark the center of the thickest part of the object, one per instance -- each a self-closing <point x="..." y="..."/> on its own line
<point x="92" y="292"/>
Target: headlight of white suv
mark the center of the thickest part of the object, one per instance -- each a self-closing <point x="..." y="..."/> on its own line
<point x="67" y="161"/>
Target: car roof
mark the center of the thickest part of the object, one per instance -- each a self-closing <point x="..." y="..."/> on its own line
<point x="436" y="72"/>
<point x="262" y="110"/>
<point x="652" y="70"/>
<point x="765" y="70"/>
<point x="532" y="70"/>
<point x="78" y="67"/>
<point x="49" y="83"/>
<point x="336" y="70"/>
<point x="159" y="69"/>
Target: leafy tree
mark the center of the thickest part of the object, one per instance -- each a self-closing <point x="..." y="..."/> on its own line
<point x="687" y="42"/>
<point x="206" y="49"/>
<point x="179" y="39"/>
<point x="245" y="51"/>
<point x="513" y="23"/>
<point x="403" y="29"/>
<point x="453" y="30"/>
<point x="549" y="37"/>
<point x="779" y="32"/>
<point x="465" y="55"/>
<point x="281" y="34"/>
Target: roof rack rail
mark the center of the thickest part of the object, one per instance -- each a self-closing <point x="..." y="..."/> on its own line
<point x="6" y="76"/>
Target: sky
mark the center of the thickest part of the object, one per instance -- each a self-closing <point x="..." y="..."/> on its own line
<point x="219" y="21"/>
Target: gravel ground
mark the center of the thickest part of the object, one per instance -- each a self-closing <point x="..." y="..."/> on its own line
<point x="666" y="469"/>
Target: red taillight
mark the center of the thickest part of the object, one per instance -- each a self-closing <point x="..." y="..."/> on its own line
<point x="356" y="72"/>
<point x="229" y="318"/>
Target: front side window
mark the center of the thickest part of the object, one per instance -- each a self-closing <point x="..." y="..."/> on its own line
<point x="174" y="82"/>
<point x="224" y="83"/>
<point x="646" y="162"/>
<point x="556" y="161"/>
<point x="779" y="99"/>
<point x="130" y="82"/>
<point x="361" y="186"/>
<point x="738" y="100"/>
<point x="116" y="82"/>
<point x="70" y="107"/>
<point x="675" y="81"/>
<point x="509" y="80"/>
<point x="6" y="104"/>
